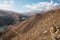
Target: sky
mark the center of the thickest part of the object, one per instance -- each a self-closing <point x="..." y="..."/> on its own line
<point x="27" y="5"/>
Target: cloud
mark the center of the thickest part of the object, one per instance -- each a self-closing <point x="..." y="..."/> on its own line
<point x="41" y="5"/>
<point x="55" y="4"/>
<point x="11" y="1"/>
<point x="6" y="5"/>
<point x="5" y="1"/>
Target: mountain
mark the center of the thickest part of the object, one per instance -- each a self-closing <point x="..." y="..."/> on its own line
<point x="37" y="27"/>
<point x="10" y="18"/>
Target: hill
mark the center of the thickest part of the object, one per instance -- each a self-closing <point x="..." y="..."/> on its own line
<point x="35" y="28"/>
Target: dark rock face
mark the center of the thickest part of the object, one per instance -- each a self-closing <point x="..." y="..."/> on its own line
<point x="6" y="20"/>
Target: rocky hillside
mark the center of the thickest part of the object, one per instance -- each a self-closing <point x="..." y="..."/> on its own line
<point x="38" y="27"/>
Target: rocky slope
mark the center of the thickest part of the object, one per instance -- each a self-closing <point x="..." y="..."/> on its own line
<point x="35" y="28"/>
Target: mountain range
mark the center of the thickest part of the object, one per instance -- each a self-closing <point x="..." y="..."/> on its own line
<point x="35" y="27"/>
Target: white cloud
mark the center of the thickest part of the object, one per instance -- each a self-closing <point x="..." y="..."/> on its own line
<point x="6" y="5"/>
<point x="31" y="6"/>
<point x="5" y="1"/>
<point x="11" y="1"/>
<point x="41" y="5"/>
<point x="55" y="4"/>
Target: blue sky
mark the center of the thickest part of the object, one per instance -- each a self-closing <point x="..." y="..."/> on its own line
<point x="27" y="5"/>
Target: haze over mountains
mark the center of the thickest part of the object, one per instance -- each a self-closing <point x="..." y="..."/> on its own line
<point x="23" y="27"/>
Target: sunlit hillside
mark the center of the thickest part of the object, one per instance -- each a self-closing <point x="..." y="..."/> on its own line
<point x="35" y="28"/>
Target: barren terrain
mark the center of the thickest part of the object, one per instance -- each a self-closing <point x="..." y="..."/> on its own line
<point x="35" y="28"/>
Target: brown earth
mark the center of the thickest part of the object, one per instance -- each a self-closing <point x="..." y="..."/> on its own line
<point x="35" y="28"/>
